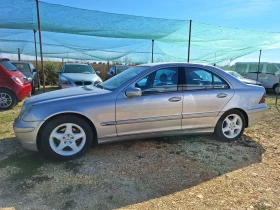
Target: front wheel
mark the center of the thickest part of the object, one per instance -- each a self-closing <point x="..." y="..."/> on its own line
<point x="7" y="99"/>
<point x="66" y="137"/>
<point x="230" y="126"/>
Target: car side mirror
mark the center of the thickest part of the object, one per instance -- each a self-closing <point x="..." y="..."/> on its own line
<point x="58" y="71"/>
<point x="97" y="72"/>
<point x="133" y="92"/>
<point x="35" y="70"/>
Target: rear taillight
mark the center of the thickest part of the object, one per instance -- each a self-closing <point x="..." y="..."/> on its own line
<point x="263" y="99"/>
<point x="17" y="80"/>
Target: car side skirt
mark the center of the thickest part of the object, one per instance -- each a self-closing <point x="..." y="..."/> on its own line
<point x="207" y="130"/>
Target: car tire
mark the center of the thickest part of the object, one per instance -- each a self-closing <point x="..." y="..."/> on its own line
<point x="66" y="137"/>
<point x="33" y="87"/>
<point x="230" y="126"/>
<point x="276" y="89"/>
<point x="7" y="99"/>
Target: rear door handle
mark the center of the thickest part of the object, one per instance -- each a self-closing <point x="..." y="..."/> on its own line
<point x="174" y="99"/>
<point x="221" y="95"/>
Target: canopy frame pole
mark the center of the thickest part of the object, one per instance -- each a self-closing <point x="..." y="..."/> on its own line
<point x="41" y="48"/>
<point x="35" y="45"/>
<point x="259" y="65"/>
<point x="18" y="49"/>
<point x="153" y="51"/>
<point x="189" y="44"/>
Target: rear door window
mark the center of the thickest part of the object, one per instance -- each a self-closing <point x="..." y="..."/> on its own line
<point x="201" y="79"/>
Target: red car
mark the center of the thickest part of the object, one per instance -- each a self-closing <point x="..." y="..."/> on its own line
<point x="14" y="86"/>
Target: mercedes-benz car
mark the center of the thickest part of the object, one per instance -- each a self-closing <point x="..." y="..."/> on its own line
<point x="76" y="74"/>
<point x="148" y="100"/>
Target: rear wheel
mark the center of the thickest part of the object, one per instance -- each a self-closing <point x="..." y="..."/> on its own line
<point x="276" y="88"/>
<point x="33" y="87"/>
<point x="230" y="126"/>
<point x="7" y="99"/>
<point x="66" y="137"/>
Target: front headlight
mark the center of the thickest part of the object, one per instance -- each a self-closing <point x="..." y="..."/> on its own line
<point x="65" y="82"/>
<point x="17" y="80"/>
<point x="24" y="112"/>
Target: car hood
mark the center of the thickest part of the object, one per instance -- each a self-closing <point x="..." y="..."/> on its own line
<point x="80" y="77"/>
<point x="27" y="74"/>
<point x="66" y="93"/>
<point x="249" y="81"/>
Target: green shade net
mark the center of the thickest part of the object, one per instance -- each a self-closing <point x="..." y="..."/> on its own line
<point x="92" y="35"/>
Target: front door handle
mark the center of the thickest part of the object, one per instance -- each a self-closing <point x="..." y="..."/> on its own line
<point x="221" y="95"/>
<point x="174" y="99"/>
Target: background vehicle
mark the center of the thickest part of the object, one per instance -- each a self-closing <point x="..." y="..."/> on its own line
<point x="243" y="79"/>
<point x="74" y="74"/>
<point x="266" y="74"/>
<point x="14" y="86"/>
<point x="30" y="72"/>
<point x="189" y="98"/>
<point x="116" y="69"/>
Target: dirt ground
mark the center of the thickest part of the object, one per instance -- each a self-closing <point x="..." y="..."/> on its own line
<point x="187" y="172"/>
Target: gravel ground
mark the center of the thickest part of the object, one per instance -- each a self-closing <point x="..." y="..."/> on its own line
<point x="187" y="172"/>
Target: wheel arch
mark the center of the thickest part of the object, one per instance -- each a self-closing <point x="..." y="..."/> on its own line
<point x="244" y="114"/>
<point x="38" y="142"/>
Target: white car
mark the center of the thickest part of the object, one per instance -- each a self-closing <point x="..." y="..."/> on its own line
<point x="74" y="74"/>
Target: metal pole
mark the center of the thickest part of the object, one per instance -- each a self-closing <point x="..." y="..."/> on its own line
<point x="18" y="49"/>
<point x="41" y="48"/>
<point x="35" y="44"/>
<point x="153" y="51"/>
<point x="189" y="46"/>
<point x="35" y="48"/>
<point x="259" y="65"/>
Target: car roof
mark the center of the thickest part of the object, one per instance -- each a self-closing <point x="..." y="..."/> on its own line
<point x="83" y="64"/>
<point x="4" y="59"/>
<point x="177" y="63"/>
<point x="19" y="62"/>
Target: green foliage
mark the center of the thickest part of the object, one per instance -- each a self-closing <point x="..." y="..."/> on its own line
<point x="51" y="76"/>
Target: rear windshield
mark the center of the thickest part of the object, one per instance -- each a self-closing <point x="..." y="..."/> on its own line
<point x="86" y="69"/>
<point x="7" y="65"/>
<point x="23" y="67"/>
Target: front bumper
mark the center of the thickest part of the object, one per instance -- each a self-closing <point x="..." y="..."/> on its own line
<point x="26" y="133"/>
<point x="256" y="114"/>
<point x="24" y="92"/>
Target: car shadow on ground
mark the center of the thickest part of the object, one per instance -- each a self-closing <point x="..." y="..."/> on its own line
<point x="118" y="174"/>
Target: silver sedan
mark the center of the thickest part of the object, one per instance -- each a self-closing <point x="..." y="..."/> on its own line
<point x="148" y="100"/>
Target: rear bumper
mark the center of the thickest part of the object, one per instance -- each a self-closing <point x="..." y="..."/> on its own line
<point x="256" y="114"/>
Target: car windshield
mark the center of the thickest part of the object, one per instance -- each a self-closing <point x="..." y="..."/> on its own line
<point x="123" y="77"/>
<point x="235" y="74"/>
<point x="23" y="67"/>
<point x="7" y="65"/>
<point x="86" y="69"/>
<point x="122" y="68"/>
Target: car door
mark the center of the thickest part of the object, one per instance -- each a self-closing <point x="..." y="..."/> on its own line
<point x="205" y="94"/>
<point x="158" y="109"/>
